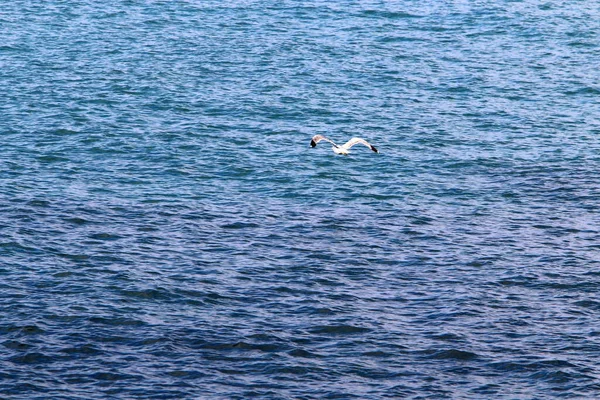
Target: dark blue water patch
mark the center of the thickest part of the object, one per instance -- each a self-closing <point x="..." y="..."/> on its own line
<point x="452" y="354"/>
<point x="33" y="358"/>
<point x="339" y="330"/>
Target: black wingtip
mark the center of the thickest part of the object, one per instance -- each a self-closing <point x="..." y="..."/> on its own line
<point x="374" y="149"/>
<point x="313" y="143"/>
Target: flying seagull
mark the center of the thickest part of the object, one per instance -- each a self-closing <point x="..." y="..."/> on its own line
<point x="342" y="149"/>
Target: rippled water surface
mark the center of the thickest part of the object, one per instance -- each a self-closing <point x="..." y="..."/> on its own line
<point x="167" y="232"/>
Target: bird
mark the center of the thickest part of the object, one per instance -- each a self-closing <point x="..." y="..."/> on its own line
<point x="342" y="149"/>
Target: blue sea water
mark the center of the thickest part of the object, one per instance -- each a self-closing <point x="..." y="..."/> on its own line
<point x="166" y="232"/>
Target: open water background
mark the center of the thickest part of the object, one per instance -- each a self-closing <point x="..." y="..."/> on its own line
<point x="166" y="231"/>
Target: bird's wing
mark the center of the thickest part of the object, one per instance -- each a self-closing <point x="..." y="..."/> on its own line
<point x="317" y="138"/>
<point x="356" y="140"/>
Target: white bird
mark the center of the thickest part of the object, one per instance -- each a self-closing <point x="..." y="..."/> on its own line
<point x="342" y="149"/>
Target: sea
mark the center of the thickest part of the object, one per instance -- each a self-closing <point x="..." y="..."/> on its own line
<point x="167" y="232"/>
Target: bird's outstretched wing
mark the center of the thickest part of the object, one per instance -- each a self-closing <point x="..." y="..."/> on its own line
<point x="356" y="140"/>
<point x="317" y="138"/>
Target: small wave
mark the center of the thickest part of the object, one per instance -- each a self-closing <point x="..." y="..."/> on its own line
<point x="339" y="330"/>
<point x="453" y="354"/>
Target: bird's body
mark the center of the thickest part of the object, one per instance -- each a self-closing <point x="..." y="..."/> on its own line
<point x="344" y="149"/>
